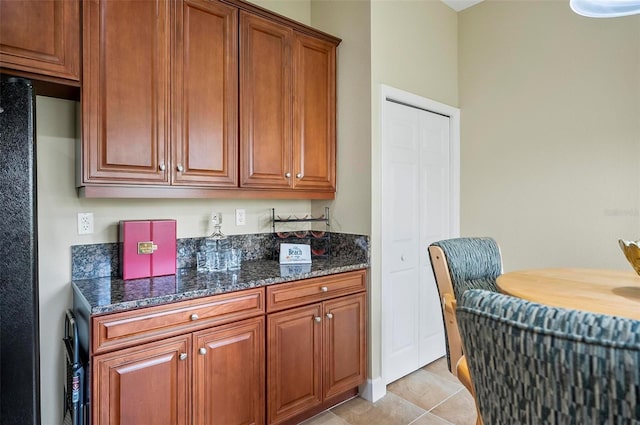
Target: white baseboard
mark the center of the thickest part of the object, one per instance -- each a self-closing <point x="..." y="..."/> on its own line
<point x="373" y="390"/>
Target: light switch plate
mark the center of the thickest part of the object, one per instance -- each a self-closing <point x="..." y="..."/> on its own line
<point x="241" y="217"/>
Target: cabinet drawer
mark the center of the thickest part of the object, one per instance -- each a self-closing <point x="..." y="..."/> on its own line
<point x="286" y="295"/>
<point x="121" y="330"/>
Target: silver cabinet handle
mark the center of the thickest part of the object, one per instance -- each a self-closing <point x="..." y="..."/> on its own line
<point x="287" y="175"/>
<point x="318" y="319"/>
<point x="180" y="168"/>
<point x="183" y="356"/>
<point x="162" y="166"/>
<point x="324" y="289"/>
<point x="329" y="316"/>
<point x="202" y="351"/>
<point x="402" y="258"/>
<point x="194" y="316"/>
<point x="299" y="175"/>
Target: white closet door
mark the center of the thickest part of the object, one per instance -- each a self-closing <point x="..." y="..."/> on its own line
<point x="415" y="212"/>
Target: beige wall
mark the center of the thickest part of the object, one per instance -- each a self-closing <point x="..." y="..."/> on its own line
<point x="349" y="20"/>
<point x="299" y="10"/>
<point x="413" y="48"/>
<point x="550" y="138"/>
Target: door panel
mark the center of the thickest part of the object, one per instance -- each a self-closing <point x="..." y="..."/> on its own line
<point x="265" y="103"/>
<point x="415" y="212"/>
<point x="293" y="362"/>
<point x="314" y="113"/>
<point x="344" y="344"/>
<point x="145" y="384"/>
<point x="53" y="49"/>
<point x="229" y="377"/>
<point x="125" y="91"/>
<point x="206" y="80"/>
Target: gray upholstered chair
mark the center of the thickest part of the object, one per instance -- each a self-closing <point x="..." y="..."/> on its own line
<point x="535" y="364"/>
<point x="460" y="264"/>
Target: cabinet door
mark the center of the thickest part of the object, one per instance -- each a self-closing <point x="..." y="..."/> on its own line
<point x="344" y="344"/>
<point x="228" y="374"/>
<point x="42" y="37"/>
<point x="314" y="132"/>
<point x="265" y="103"/>
<point x="148" y="384"/>
<point x="125" y="96"/>
<point x="293" y="362"/>
<point x="205" y="112"/>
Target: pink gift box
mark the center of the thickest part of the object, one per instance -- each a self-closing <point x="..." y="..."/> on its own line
<point x="147" y="248"/>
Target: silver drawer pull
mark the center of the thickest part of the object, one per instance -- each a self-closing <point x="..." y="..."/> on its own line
<point x="324" y="289"/>
<point x="329" y="316"/>
<point x="183" y="356"/>
<point x="202" y="351"/>
<point x="194" y="316"/>
<point x="318" y="319"/>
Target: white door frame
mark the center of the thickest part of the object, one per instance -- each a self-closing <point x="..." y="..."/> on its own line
<point x="412" y="100"/>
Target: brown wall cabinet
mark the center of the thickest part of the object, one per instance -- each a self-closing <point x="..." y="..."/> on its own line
<point x="316" y="354"/>
<point x="212" y="375"/>
<point x="160" y="107"/>
<point x="41" y="39"/>
<point x="287" y="107"/>
<point x="135" y="130"/>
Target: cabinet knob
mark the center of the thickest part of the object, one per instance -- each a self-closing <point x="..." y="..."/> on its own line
<point x="299" y="175"/>
<point x="180" y="168"/>
<point x="287" y="175"/>
<point x="202" y="351"/>
<point x="402" y="258"/>
<point x="329" y="316"/>
<point x="318" y="319"/>
<point x="324" y="289"/>
<point x="194" y="316"/>
<point x="162" y="166"/>
<point x="183" y="356"/>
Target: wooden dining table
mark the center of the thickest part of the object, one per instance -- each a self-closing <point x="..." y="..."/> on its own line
<point x="612" y="292"/>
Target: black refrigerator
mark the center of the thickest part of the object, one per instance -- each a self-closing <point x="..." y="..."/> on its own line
<point x="19" y="328"/>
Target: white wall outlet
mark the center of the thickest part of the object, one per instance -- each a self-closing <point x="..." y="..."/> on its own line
<point x="85" y="223"/>
<point x="241" y="217"/>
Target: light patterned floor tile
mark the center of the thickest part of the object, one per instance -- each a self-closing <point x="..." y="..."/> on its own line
<point x="325" y="418"/>
<point x="389" y="410"/>
<point x="459" y="409"/>
<point x="424" y="389"/>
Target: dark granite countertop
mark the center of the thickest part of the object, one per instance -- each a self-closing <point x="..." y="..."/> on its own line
<point x="109" y="294"/>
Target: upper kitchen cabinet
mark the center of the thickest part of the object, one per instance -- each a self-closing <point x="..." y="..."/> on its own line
<point x="287" y="107"/>
<point x="41" y="39"/>
<point x="134" y="130"/>
<point x="125" y="91"/>
<point x="265" y="103"/>
<point x="205" y="113"/>
<point x="205" y="98"/>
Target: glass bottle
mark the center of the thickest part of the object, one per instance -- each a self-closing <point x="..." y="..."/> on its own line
<point x="217" y="248"/>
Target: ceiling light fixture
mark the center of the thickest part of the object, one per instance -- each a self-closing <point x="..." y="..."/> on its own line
<point x="605" y="8"/>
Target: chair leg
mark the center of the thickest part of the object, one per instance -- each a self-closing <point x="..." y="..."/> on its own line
<point x="465" y="378"/>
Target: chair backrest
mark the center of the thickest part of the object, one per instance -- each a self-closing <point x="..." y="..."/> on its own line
<point x="460" y="264"/>
<point x="472" y="263"/>
<point x="535" y="364"/>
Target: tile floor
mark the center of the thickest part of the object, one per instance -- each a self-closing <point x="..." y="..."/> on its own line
<point x="428" y="396"/>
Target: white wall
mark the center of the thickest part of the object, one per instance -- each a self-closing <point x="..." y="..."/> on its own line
<point x="550" y="132"/>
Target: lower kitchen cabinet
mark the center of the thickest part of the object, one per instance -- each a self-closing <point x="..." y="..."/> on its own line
<point x="314" y="354"/>
<point x="147" y="384"/>
<point x="213" y="377"/>
<point x="228" y="374"/>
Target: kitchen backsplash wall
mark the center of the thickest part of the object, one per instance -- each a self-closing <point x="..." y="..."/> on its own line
<point x="102" y="260"/>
